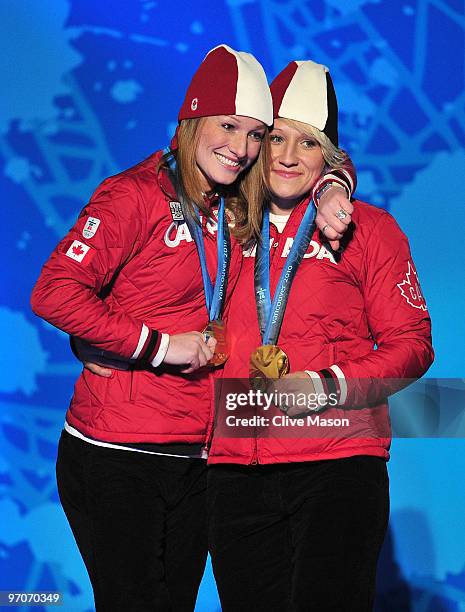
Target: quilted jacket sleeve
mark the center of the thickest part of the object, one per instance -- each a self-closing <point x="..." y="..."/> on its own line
<point x="398" y="320"/>
<point x="110" y="230"/>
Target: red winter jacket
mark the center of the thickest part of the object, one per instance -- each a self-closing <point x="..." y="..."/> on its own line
<point x="125" y="273"/>
<point x="337" y="312"/>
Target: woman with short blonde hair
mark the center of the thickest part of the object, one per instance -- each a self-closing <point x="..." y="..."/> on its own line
<point x="298" y="499"/>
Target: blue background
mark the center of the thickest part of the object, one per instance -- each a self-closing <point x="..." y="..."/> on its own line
<point x="88" y="90"/>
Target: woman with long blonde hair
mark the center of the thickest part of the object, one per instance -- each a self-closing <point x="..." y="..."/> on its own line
<point x="133" y="277"/>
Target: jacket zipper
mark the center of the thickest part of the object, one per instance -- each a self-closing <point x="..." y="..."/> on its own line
<point x="254" y="460"/>
<point x="211" y="421"/>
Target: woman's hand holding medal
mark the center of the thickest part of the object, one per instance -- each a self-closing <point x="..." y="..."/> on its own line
<point x="190" y="349"/>
<point x="269" y="373"/>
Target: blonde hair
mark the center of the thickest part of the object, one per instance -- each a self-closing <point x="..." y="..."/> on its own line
<point x="248" y="188"/>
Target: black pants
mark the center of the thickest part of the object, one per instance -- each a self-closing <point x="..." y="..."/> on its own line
<point x="300" y="537"/>
<point x="139" y="521"/>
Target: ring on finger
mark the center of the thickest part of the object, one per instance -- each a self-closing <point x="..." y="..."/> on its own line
<point x="341" y="214"/>
<point x="325" y="228"/>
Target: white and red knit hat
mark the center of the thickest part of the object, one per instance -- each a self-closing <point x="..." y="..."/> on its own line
<point x="228" y="82"/>
<point x="304" y="91"/>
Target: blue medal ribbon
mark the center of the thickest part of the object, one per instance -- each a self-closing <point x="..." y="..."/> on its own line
<point x="214" y="295"/>
<point x="271" y="313"/>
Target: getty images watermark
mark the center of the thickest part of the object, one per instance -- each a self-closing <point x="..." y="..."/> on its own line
<point x="372" y="408"/>
<point x="305" y="405"/>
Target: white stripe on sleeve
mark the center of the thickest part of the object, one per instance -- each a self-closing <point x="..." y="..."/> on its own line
<point x="316" y="378"/>
<point x="342" y="383"/>
<point x="162" y="350"/>
<point x="349" y="180"/>
<point x="142" y="339"/>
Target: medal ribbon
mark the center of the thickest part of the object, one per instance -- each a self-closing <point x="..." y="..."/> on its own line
<point x="271" y="313"/>
<point x="214" y="295"/>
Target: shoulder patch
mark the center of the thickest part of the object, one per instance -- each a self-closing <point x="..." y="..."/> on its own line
<point x="91" y="227"/>
<point x="410" y="289"/>
<point x="78" y="251"/>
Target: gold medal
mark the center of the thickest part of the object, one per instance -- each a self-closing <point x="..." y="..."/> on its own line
<point x="217" y="329"/>
<point x="268" y="361"/>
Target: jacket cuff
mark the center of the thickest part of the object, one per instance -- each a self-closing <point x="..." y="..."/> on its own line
<point x="340" y="178"/>
<point x="148" y="345"/>
<point x="330" y="381"/>
<point x="162" y="350"/>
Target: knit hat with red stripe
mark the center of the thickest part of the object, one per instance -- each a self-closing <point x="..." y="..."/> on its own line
<point x="304" y="91"/>
<point x="228" y="82"/>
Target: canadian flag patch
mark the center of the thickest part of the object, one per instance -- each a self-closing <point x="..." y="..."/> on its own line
<point x="90" y="227"/>
<point x="410" y="289"/>
<point x="77" y="250"/>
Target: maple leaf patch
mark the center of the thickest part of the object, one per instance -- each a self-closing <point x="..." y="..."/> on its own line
<point x="77" y="251"/>
<point x="410" y="289"/>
